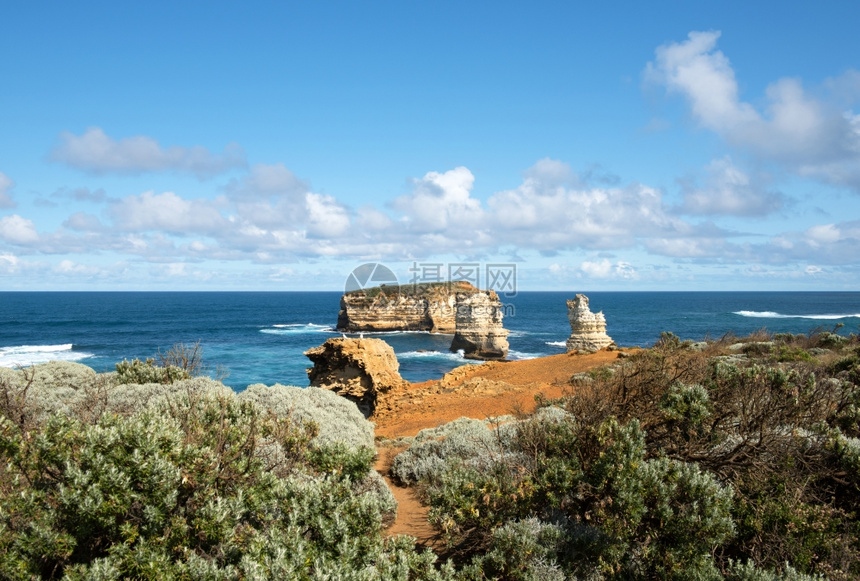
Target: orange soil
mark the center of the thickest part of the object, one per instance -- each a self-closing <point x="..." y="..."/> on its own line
<point x="429" y="404"/>
<point x="510" y="387"/>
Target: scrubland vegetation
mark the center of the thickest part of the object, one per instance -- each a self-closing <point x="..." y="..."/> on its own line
<point x="733" y="459"/>
<point x="103" y="478"/>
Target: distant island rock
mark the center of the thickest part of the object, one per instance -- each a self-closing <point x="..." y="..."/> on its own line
<point x="587" y="329"/>
<point x="472" y="315"/>
<point x="417" y="307"/>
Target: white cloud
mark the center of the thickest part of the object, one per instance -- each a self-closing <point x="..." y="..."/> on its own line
<point x="549" y="216"/>
<point x="604" y="269"/>
<point x="8" y="263"/>
<point x="601" y="269"/>
<point x="268" y="180"/>
<point x="823" y="234"/>
<point x="97" y="152"/>
<point x="74" y="269"/>
<point x="6" y="184"/>
<point x="729" y="191"/>
<point x="166" y="211"/>
<point x="440" y="201"/>
<point x="83" y="222"/>
<point x="327" y="218"/>
<point x="806" y="134"/>
<point x="17" y="230"/>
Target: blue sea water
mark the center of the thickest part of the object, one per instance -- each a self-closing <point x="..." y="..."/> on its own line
<point x="260" y="337"/>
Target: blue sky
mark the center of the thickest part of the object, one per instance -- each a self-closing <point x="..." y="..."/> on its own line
<point x="276" y="146"/>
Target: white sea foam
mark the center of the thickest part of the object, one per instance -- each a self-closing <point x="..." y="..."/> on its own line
<point x="774" y="315"/>
<point x="371" y="333"/>
<point x="297" y="329"/>
<point x="443" y="355"/>
<point x="557" y="343"/>
<point x="519" y="355"/>
<point x="24" y="355"/>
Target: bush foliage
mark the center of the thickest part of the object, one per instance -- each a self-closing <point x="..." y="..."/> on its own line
<point x="188" y="481"/>
<point x="734" y="459"/>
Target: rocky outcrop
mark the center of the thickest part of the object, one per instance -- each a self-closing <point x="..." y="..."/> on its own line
<point x="361" y="370"/>
<point x="587" y="329"/>
<point x="418" y="307"/>
<point x="478" y="323"/>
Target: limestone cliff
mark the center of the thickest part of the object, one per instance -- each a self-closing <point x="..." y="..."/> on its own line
<point x="419" y="307"/>
<point x="478" y="326"/>
<point x="587" y="329"/>
<point x="360" y="370"/>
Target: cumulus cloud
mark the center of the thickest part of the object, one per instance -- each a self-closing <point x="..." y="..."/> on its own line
<point x="17" y="230"/>
<point x="166" y="211"/>
<point x="327" y="218"/>
<point x="96" y="152"/>
<point x="810" y="136"/>
<point x="548" y="215"/>
<point x="265" y="180"/>
<point x="8" y="263"/>
<point x="272" y="218"/>
<point x="604" y="269"/>
<point x="440" y="201"/>
<point x="73" y="269"/>
<point x="96" y="196"/>
<point x="6" y="184"/>
<point x="83" y="222"/>
<point x="729" y="191"/>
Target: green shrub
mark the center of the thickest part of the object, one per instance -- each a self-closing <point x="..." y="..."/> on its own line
<point x="143" y="372"/>
<point x="785" y="353"/>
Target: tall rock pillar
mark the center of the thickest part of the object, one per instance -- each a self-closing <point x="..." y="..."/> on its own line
<point x="479" y="330"/>
<point x="587" y="329"/>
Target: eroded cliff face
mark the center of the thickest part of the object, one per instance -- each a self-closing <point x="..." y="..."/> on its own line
<point x="361" y="370"/>
<point x="587" y="329"/>
<point x="479" y="331"/>
<point x="420" y="307"/>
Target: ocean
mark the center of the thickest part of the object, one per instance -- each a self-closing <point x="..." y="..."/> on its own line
<point x="260" y="337"/>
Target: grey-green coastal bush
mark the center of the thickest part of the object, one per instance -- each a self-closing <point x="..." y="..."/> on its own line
<point x="113" y="480"/>
<point x="683" y="464"/>
<point x="462" y="440"/>
<point x="612" y="512"/>
<point x="338" y="418"/>
<point x="180" y="490"/>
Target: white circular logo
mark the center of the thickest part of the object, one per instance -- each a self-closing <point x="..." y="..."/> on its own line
<point x="369" y="275"/>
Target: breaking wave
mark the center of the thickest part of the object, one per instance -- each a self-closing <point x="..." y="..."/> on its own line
<point x="557" y="343"/>
<point x="297" y="329"/>
<point x="775" y="315"/>
<point x="439" y="355"/>
<point x="24" y="355"/>
<point x="520" y="356"/>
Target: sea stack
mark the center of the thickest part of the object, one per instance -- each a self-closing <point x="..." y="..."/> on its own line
<point x="587" y="329"/>
<point x="479" y="330"/>
<point x="360" y="370"/>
